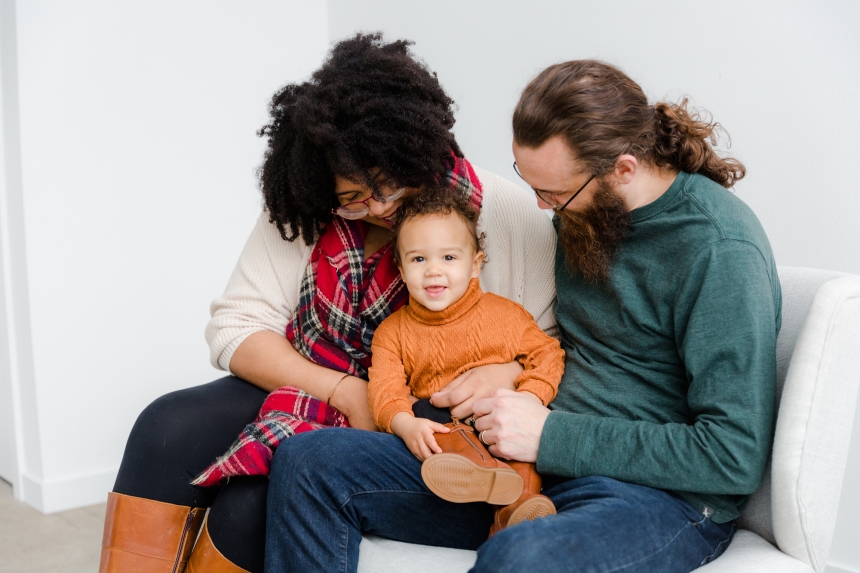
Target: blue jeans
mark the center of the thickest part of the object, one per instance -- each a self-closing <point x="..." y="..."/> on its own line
<point x="329" y="486"/>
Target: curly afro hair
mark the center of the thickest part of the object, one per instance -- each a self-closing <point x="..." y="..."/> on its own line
<point x="372" y="114"/>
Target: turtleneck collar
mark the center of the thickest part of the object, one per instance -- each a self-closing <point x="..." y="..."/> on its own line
<point x="436" y="317"/>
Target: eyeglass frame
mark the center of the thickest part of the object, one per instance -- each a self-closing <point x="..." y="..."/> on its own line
<point x="393" y="197"/>
<point x="538" y="192"/>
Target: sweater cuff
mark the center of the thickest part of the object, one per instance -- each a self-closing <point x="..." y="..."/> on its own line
<point x="561" y="444"/>
<point x="391" y="409"/>
<point x="544" y="391"/>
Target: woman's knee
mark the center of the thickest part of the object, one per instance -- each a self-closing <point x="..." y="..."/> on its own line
<point x="169" y="421"/>
<point x="186" y="418"/>
<point x="179" y="434"/>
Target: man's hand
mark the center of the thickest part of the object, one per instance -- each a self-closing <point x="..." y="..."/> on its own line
<point x="417" y="434"/>
<point x="475" y="384"/>
<point x="512" y="423"/>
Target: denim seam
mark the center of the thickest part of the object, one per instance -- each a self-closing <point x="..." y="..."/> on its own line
<point x="345" y="551"/>
<point x="652" y="554"/>
<point x="721" y="546"/>
<point x="356" y="493"/>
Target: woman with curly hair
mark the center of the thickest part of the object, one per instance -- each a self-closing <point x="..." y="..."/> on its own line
<point x="371" y="127"/>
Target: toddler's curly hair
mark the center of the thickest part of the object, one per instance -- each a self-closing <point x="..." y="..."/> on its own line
<point x="437" y="201"/>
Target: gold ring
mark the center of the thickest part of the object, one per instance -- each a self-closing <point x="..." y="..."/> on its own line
<point x="481" y="438"/>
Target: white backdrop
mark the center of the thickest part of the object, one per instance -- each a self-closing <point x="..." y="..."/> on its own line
<point x="138" y="151"/>
<point x="781" y="76"/>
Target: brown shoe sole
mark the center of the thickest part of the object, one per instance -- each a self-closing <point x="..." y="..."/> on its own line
<point x="531" y="509"/>
<point x="454" y="478"/>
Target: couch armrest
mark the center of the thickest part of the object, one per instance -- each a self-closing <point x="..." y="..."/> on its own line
<point x="814" y="423"/>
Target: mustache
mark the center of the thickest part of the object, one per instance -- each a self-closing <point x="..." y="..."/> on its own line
<point x="591" y="238"/>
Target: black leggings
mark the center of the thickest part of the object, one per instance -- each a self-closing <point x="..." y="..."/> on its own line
<point x="180" y="434"/>
<point x="177" y="437"/>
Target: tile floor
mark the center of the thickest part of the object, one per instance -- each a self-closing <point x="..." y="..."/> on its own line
<point x="65" y="542"/>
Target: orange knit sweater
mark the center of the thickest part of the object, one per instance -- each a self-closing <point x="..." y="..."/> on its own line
<point x="419" y="350"/>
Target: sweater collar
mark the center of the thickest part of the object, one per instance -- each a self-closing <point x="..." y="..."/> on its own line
<point x="436" y="317"/>
<point x="662" y="202"/>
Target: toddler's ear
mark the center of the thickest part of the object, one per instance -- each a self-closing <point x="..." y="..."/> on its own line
<point x="477" y="264"/>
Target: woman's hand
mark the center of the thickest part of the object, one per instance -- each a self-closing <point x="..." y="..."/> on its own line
<point x="477" y="383"/>
<point x="269" y="361"/>
<point x="350" y="398"/>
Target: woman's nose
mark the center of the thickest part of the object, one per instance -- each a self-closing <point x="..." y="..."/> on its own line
<point x="378" y="209"/>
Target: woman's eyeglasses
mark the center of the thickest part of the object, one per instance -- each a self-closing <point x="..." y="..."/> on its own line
<point x="358" y="209"/>
<point x="550" y="197"/>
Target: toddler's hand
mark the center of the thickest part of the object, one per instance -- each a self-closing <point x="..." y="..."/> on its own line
<point x="417" y="434"/>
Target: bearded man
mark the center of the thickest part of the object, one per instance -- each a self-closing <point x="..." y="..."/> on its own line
<point x="668" y="306"/>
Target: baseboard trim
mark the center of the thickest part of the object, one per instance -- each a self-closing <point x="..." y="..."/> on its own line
<point x="51" y="496"/>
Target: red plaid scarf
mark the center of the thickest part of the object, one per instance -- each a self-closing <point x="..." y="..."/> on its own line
<point x="343" y="300"/>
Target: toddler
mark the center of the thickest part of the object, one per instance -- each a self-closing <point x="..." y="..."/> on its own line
<point x="449" y="327"/>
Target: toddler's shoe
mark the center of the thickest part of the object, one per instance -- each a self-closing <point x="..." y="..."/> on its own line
<point x="467" y="472"/>
<point x="531" y="504"/>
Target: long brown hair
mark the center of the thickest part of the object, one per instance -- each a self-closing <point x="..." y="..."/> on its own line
<point x="602" y="114"/>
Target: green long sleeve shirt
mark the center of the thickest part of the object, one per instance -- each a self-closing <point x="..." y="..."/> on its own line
<point x="671" y="364"/>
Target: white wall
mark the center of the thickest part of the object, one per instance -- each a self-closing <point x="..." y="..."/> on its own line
<point x="137" y="156"/>
<point x="782" y="77"/>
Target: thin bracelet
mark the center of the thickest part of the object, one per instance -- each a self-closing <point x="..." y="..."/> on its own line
<point x="344" y="377"/>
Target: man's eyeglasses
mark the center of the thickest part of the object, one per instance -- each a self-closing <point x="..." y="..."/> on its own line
<point x="358" y="209"/>
<point x="549" y="197"/>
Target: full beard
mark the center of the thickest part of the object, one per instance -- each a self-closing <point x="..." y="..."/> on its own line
<point x="591" y="238"/>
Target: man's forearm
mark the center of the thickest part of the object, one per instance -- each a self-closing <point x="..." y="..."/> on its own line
<point x="702" y="458"/>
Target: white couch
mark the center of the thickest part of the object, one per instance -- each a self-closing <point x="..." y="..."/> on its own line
<point x="788" y="525"/>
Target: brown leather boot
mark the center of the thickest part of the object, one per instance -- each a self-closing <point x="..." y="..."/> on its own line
<point x="147" y="536"/>
<point x="531" y="504"/>
<point x="207" y="559"/>
<point x="466" y="471"/>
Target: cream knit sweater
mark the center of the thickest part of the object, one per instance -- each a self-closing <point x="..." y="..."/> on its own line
<point x="263" y="291"/>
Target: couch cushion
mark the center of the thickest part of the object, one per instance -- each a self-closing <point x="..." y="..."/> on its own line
<point x="747" y="553"/>
<point x="378" y="555"/>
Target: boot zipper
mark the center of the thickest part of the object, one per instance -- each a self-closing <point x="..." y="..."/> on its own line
<point x="456" y="421"/>
<point x="183" y="540"/>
